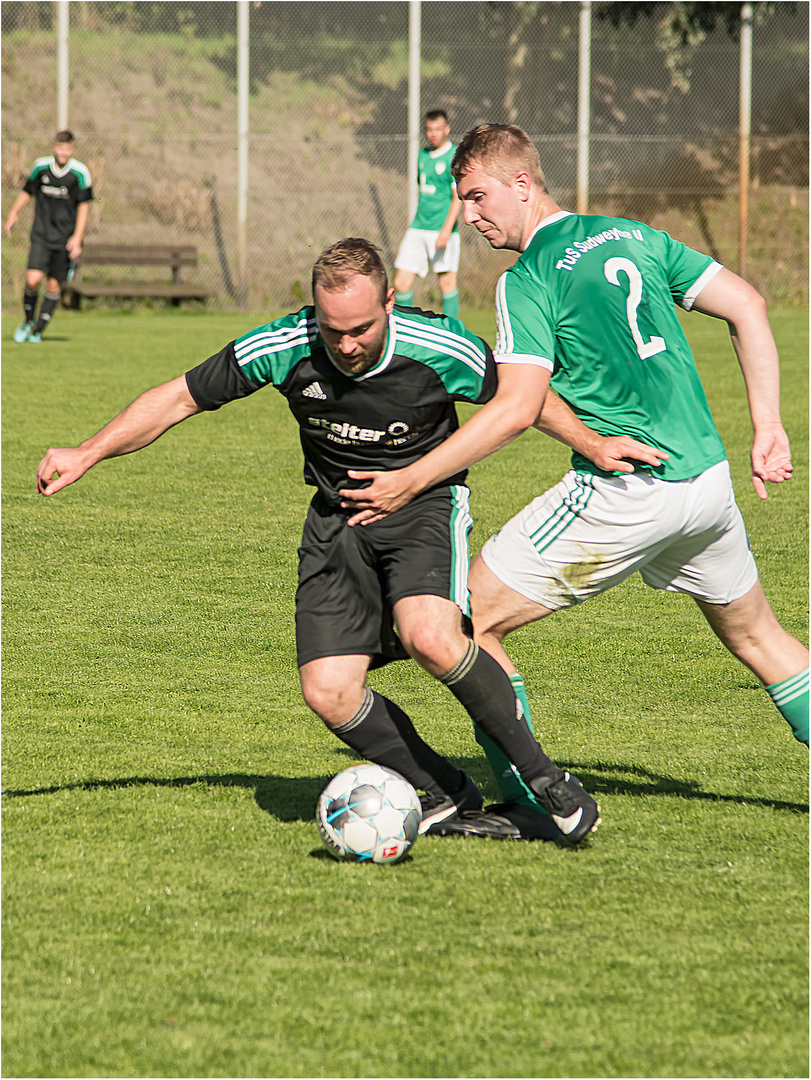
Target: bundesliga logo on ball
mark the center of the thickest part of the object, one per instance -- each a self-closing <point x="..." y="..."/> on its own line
<point x="368" y="814"/>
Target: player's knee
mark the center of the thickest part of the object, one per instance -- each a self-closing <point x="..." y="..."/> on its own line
<point x="758" y="642"/>
<point x="746" y="626"/>
<point x="434" y="647"/>
<point x="331" y="702"/>
<point x="323" y="700"/>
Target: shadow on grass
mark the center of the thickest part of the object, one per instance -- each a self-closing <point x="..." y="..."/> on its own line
<point x="322" y="855"/>
<point x="602" y="778"/>
<point x="293" y="798"/>
<point x="45" y="340"/>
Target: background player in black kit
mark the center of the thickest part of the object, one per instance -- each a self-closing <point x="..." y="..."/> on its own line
<point x="62" y="189"/>
<point x="370" y="386"/>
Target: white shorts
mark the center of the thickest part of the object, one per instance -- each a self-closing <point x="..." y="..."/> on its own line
<point x="589" y="533"/>
<point x="418" y="253"/>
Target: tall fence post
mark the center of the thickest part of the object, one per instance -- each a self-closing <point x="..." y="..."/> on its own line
<point x="414" y="45"/>
<point x="242" y="146"/>
<point x="583" y="107"/>
<point x="62" y="65"/>
<point x="745" y="131"/>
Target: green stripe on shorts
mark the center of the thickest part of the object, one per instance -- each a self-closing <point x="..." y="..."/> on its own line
<point x="558" y="521"/>
<point x="460" y="526"/>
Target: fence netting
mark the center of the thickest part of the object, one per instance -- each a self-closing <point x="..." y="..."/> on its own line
<point x="153" y="104"/>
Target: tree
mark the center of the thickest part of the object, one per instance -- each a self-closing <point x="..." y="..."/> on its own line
<point x="687" y="20"/>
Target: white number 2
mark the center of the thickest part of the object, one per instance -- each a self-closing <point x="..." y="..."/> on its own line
<point x="612" y="270"/>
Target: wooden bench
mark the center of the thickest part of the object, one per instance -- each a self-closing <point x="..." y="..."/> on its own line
<point x="178" y="256"/>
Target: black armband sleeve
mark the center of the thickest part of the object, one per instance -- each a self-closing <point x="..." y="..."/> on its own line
<point x="219" y="380"/>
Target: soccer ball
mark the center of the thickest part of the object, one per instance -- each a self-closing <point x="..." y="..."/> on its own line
<point x="368" y="814"/>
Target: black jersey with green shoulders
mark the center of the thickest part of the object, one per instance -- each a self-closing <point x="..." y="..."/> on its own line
<point x="385" y="418"/>
<point x="58" y="193"/>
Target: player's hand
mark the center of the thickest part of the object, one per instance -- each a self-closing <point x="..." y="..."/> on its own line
<point x="442" y="240"/>
<point x="770" y="458"/>
<point x="74" y="246"/>
<point x="61" y="467"/>
<point x="611" y="452"/>
<point x="388" y="491"/>
<point x="9" y="224"/>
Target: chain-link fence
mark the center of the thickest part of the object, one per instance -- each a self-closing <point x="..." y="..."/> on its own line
<point x="152" y="100"/>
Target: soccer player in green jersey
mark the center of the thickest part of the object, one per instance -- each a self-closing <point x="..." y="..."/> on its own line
<point x="431" y="241"/>
<point x="589" y="307"/>
<point x="62" y="189"/>
<point x="369" y="385"/>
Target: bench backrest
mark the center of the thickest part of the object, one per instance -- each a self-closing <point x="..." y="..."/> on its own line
<point x="175" y="255"/>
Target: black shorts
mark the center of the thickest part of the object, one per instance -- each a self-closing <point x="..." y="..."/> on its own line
<point x="53" y="261"/>
<point x="351" y="578"/>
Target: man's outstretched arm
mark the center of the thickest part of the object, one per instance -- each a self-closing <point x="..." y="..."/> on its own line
<point x="140" y="424"/>
<point x="514" y="408"/>
<point x="729" y="297"/>
<point x="23" y="199"/>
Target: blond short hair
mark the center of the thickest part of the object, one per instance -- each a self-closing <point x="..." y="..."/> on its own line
<point x="343" y="260"/>
<point x="502" y="150"/>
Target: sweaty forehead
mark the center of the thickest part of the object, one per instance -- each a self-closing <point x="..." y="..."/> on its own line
<point x="480" y="177"/>
<point x="472" y="178"/>
<point x="350" y="305"/>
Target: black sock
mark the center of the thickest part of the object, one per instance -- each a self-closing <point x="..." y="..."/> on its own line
<point x="482" y="686"/>
<point x="46" y="311"/>
<point x="381" y="732"/>
<point x="29" y="303"/>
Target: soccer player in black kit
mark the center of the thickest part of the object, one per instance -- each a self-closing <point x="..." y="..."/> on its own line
<point x="62" y="189"/>
<point x="371" y="386"/>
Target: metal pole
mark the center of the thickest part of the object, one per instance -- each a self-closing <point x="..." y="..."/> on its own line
<point x="745" y="132"/>
<point x="414" y="19"/>
<point x="242" y="147"/>
<point x="62" y="65"/>
<point x="583" y="107"/>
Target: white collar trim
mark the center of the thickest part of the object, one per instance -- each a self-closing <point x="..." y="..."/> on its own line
<point x="381" y="364"/>
<point x="559" y="216"/>
<point x="54" y="167"/>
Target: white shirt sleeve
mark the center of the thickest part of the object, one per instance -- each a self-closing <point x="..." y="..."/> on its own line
<point x="691" y="295"/>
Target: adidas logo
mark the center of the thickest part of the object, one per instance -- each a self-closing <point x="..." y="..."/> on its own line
<point x="314" y="391"/>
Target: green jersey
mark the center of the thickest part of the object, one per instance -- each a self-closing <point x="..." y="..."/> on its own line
<point x="593" y="299"/>
<point x="437" y="188"/>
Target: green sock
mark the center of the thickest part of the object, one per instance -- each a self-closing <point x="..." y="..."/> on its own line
<point x="450" y="304"/>
<point x="791" y="699"/>
<point x="404" y="299"/>
<point x="510" y="785"/>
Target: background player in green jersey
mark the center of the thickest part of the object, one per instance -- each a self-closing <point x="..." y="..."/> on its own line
<point x="590" y="307"/>
<point x="62" y="189"/>
<point x="369" y="385"/>
<point x="431" y="241"/>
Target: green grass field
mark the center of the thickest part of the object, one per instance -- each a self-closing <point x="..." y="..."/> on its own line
<point x="168" y="910"/>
